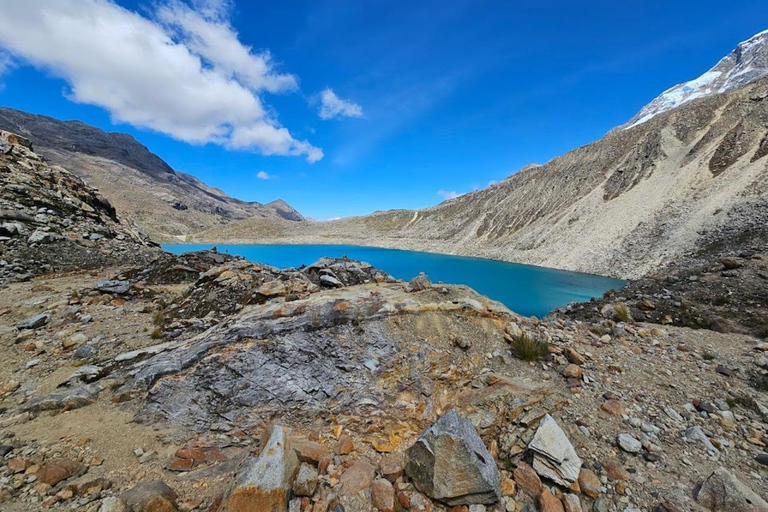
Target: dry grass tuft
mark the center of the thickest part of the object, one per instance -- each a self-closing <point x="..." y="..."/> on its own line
<point x="529" y="348"/>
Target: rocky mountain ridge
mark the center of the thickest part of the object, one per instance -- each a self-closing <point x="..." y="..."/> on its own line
<point x="167" y="204"/>
<point x="746" y="63"/>
<point x="689" y="184"/>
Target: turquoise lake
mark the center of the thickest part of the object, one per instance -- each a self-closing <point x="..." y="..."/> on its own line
<point x="525" y="289"/>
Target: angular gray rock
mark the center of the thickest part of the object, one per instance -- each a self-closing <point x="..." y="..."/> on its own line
<point x="33" y="322"/>
<point x="114" y="287"/>
<point x="69" y="398"/>
<point x="628" y="443"/>
<point x="696" y="435"/>
<point x="113" y="504"/>
<point x="41" y="237"/>
<point x="330" y="282"/>
<point x="554" y="455"/>
<point x="723" y="492"/>
<point x="450" y="463"/>
<point x="306" y="481"/>
<point x="264" y="482"/>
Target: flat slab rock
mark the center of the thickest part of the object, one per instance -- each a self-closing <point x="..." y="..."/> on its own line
<point x="450" y="463"/>
<point x="554" y="455"/>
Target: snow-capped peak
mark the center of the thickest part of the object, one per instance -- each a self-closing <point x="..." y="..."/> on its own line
<point x="746" y="63"/>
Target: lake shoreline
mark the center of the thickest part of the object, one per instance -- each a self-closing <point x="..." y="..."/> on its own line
<point x="530" y="290"/>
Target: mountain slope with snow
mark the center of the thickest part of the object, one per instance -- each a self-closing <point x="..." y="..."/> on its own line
<point x="746" y="63"/>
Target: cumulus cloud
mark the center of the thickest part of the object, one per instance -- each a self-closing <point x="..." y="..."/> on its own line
<point x="449" y="194"/>
<point x="263" y="175"/>
<point x="183" y="73"/>
<point x="331" y="106"/>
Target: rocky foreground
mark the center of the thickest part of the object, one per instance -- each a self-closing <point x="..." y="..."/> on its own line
<point x="206" y="382"/>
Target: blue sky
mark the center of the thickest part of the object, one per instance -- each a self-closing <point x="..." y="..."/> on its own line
<point x="429" y="98"/>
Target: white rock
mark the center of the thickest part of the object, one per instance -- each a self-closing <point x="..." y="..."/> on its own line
<point x="554" y="455"/>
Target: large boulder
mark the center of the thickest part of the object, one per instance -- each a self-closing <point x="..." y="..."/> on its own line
<point x="723" y="492"/>
<point x="264" y="483"/>
<point x="449" y="462"/>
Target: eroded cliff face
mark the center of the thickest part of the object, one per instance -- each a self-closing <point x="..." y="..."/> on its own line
<point x="634" y="202"/>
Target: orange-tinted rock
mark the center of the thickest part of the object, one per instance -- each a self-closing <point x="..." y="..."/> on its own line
<point x="508" y="487"/>
<point x="264" y="482"/>
<point x="613" y="407"/>
<point x="345" y="445"/>
<point x="179" y="464"/>
<point x="309" y="451"/>
<point x="19" y="464"/>
<point x="527" y="479"/>
<point x="572" y="371"/>
<point x="58" y="469"/>
<point x="358" y="476"/>
<point x="404" y="500"/>
<point x="589" y="483"/>
<point x="615" y="470"/>
<point x="573" y="356"/>
<point x="383" y="495"/>
<point x="190" y="452"/>
<point x="549" y="503"/>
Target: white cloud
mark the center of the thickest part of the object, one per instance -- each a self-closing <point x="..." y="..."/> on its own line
<point x="449" y="194"/>
<point x="184" y="73"/>
<point x="217" y="43"/>
<point x="331" y="106"/>
<point x="263" y="175"/>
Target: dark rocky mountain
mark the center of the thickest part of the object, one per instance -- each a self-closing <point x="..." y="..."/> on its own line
<point x="167" y="204"/>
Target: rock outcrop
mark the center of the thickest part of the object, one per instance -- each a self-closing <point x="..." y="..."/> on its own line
<point x="50" y="220"/>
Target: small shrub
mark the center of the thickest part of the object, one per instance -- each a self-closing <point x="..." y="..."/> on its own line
<point x="158" y="318"/>
<point x="529" y="348"/>
<point x="157" y="333"/>
<point x="621" y="312"/>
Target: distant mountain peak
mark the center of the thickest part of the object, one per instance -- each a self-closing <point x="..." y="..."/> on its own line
<point x="745" y="64"/>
